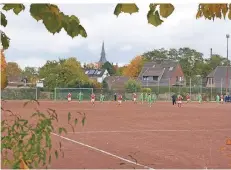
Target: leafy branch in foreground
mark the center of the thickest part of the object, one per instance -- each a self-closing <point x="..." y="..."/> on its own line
<point x="25" y="144"/>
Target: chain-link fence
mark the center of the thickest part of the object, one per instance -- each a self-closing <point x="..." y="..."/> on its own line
<point x="164" y="93"/>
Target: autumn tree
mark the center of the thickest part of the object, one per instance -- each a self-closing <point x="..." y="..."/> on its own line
<point x="13" y="69"/>
<point x="31" y="74"/>
<point x="55" y="20"/>
<point x="134" y="67"/>
<point x="3" y="71"/>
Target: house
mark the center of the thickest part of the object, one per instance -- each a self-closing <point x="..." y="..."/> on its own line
<point x="97" y="74"/>
<point x="162" y="73"/>
<point x="116" y="82"/>
<point x="217" y="78"/>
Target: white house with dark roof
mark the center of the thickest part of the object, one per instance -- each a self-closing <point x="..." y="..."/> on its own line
<point x="97" y="74"/>
<point x="217" y="78"/>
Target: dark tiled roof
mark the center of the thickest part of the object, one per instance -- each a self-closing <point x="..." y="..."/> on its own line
<point x="94" y="72"/>
<point x="116" y="82"/>
<point x="153" y="72"/>
<point x="166" y="66"/>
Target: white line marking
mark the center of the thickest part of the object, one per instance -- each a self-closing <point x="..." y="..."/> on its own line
<point x="155" y="130"/>
<point x="102" y="151"/>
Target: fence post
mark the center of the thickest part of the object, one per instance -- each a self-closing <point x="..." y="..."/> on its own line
<point x="211" y="91"/>
<point x="169" y="89"/>
<point x="190" y="86"/>
<point x="221" y="84"/>
<point x="55" y="94"/>
<point x="36" y="95"/>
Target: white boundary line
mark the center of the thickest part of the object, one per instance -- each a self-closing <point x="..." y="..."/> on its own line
<point x="102" y="151"/>
<point x="154" y="130"/>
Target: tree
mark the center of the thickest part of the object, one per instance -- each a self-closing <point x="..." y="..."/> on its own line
<point x="120" y="70"/>
<point x="3" y="71"/>
<point x="216" y="60"/>
<point x="132" y="85"/>
<point x="63" y="73"/>
<point x="109" y="67"/>
<point x="31" y="74"/>
<point x="55" y="20"/>
<point x="12" y="69"/>
<point x="156" y="54"/>
<point x="134" y="68"/>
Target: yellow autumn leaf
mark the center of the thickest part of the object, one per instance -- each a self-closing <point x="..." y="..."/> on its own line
<point x="166" y="10"/>
<point x="3" y="71"/>
<point x="199" y="14"/>
<point x="229" y="15"/>
<point x="224" y="9"/>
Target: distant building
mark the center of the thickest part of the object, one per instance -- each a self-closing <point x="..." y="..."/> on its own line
<point x="162" y="73"/>
<point x="97" y="74"/>
<point x="116" y="82"/>
<point x="217" y="78"/>
<point x="102" y="59"/>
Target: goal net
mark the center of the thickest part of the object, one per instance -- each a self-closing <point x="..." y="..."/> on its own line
<point x="19" y="93"/>
<point x="61" y="93"/>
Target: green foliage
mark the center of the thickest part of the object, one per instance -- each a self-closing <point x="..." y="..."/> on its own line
<point x="109" y="67"/>
<point x="132" y="85"/>
<point x="53" y="19"/>
<point x="30" y="142"/>
<point x="3" y="20"/>
<point x="63" y="73"/>
<point x="125" y="8"/>
<point x="5" y="40"/>
<point x="146" y="90"/>
<point x="17" y="8"/>
<point x="104" y="84"/>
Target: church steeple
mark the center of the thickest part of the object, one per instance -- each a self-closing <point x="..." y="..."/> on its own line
<point x="103" y="55"/>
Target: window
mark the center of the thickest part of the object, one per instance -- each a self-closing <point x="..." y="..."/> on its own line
<point x="180" y="79"/>
<point x="145" y="78"/>
<point x="98" y="72"/>
<point x="170" y="68"/>
<point x="86" y="72"/>
<point x="177" y="78"/>
<point x="155" y="78"/>
<point x="210" y="80"/>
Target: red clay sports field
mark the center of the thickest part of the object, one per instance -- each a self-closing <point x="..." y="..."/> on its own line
<point x="137" y="136"/>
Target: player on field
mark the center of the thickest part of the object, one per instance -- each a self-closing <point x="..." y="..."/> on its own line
<point x="134" y="97"/>
<point x="149" y="100"/>
<point x="174" y="99"/>
<point x="120" y="98"/>
<point x="101" y="98"/>
<point x="217" y="98"/>
<point x="146" y="97"/>
<point x="80" y="96"/>
<point x="199" y="98"/>
<point x="154" y="97"/>
<point x="93" y="98"/>
<point x="179" y="100"/>
<point x="222" y="98"/>
<point x="142" y="97"/>
<point x="188" y="98"/>
<point x="69" y="97"/>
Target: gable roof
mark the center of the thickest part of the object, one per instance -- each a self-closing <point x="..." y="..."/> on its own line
<point x="153" y="72"/>
<point x="116" y="82"/>
<point x="94" y="72"/>
<point x="156" y="67"/>
<point x="220" y="72"/>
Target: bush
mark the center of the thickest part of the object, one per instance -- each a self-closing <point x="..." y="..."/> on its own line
<point x="133" y="86"/>
<point x="146" y="90"/>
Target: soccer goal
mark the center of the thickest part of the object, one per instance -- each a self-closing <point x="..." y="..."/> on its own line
<point x="20" y="93"/>
<point x="61" y="93"/>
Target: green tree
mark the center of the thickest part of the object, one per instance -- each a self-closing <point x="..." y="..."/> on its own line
<point x="109" y="67"/>
<point x="216" y="60"/>
<point x="31" y="74"/>
<point x="13" y="69"/>
<point x="63" y="73"/>
<point x="132" y="85"/>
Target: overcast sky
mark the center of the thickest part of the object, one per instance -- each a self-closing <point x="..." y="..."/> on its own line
<point x="124" y="37"/>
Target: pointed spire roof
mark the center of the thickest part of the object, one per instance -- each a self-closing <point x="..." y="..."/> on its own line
<point x="103" y="55"/>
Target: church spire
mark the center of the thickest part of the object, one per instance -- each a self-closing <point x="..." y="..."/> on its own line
<point x="103" y="55"/>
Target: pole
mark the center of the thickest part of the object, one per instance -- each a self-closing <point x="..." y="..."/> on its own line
<point x="211" y="91"/>
<point x="221" y="85"/>
<point x="55" y="94"/>
<point x="227" y="69"/>
<point x="36" y="95"/>
<point x="190" y="86"/>
<point x="169" y="89"/>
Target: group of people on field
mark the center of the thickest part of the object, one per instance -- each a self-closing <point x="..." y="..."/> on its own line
<point x="177" y="99"/>
<point x="149" y="98"/>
